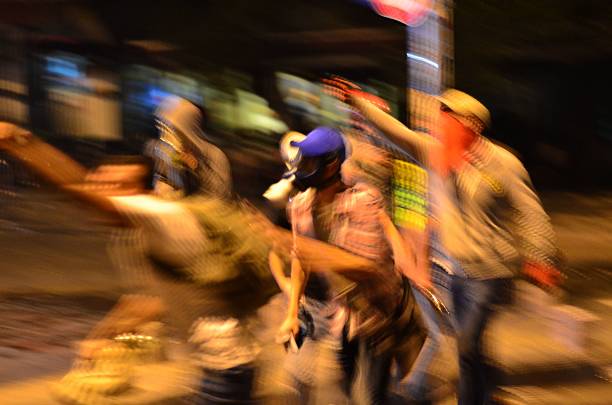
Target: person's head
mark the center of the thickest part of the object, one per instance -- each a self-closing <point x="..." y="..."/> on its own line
<point x="179" y="122"/>
<point x="180" y="131"/>
<point x="321" y="155"/>
<point x="462" y="119"/>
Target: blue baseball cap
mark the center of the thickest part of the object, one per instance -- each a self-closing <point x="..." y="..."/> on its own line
<point x="320" y="141"/>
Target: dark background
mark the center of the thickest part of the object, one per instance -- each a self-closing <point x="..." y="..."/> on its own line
<point x="540" y="66"/>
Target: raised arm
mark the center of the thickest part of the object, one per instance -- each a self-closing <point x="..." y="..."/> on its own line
<point x="417" y="144"/>
<point x="63" y="172"/>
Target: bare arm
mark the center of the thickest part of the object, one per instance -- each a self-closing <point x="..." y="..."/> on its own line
<point x="299" y="278"/>
<point x="404" y="255"/>
<point x="533" y="228"/>
<point x="276" y="268"/>
<point x="419" y="145"/>
<point x="291" y="325"/>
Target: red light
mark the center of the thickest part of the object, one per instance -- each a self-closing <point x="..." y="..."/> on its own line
<point x="409" y="12"/>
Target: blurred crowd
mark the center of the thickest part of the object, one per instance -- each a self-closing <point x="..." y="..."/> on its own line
<point x="400" y="248"/>
<point x="285" y="235"/>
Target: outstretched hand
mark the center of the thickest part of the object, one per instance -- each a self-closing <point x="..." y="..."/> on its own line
<point x="342" y="90"/>
<point x="10" y="131"/>
<point x="544" y="276"/>
<point x="287" y="333"/>
<point x="339" y="88"/>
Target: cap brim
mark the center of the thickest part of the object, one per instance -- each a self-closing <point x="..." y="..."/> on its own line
<point x="462" y="109"/>
<point x="452" y="106"/>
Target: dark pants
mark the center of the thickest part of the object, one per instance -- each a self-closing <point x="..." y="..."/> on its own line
<point x="401" y="341"/>
<point x="231" y="386"/>
<point x="474" y="302"/>
<point x="357" y="354"/>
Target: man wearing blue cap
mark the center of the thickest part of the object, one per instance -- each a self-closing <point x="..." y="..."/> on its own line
<point x="317" y="176"/>
<point x="335" y="209"/>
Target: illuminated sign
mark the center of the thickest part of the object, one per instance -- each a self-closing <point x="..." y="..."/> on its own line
<point x="409" y="12"/>
<point x="409" y="195"/>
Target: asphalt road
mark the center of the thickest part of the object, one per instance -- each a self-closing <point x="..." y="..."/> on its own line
<point x="56" y="279"/>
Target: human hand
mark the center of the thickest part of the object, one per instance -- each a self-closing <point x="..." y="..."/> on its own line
<point x="343" y="89"/>
<point x="547" y="277"/>
<point x="339" y="88"/>
<point x="123" y="179"/>
<point x="10" y="131"/>
<point x="122" y="173"/>
<point x="288" y="329"/>
<point x="89" y="348"/>
<point x="417" y="274"/>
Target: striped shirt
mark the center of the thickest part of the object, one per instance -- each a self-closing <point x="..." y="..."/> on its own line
<point x="355" y="226"/>
<point x="490" y="216"/>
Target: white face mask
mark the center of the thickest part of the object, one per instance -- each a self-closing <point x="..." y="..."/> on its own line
<point x="278" y="193"/>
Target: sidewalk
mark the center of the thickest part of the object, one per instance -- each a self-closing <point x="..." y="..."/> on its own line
<point x="156" y="384"/>
<point x="522" y="344"/>
<point x="553" y="355"/>
<point x="49" y="245"/>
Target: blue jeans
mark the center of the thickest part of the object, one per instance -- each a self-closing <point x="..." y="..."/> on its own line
<point x="474" y="302"/>
<point x="435" y="369"/>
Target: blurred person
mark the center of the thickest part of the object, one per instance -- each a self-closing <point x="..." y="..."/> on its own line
<point x="187" y="166"/>
<point x="206" y="270"/>
<point x="340" y="204"/>
<point x="315" y="309"/>
<point x="435" y="373"/>
<point x="185" y="161"/>
<point x="176" y="249"/>
<point x="489" y="219"/>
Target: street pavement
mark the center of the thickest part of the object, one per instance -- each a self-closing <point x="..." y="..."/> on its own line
<point x="56" y="281"/>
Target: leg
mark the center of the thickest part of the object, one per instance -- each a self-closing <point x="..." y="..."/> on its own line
<point x="348" y="354"/>
<point x="436" y="370"/>
<point x="233" y="385"/>
<point x="371" y="380"/>
<point x="473" y="302"/>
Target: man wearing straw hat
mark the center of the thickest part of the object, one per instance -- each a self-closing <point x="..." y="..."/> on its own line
<point x="489" y="218"/>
